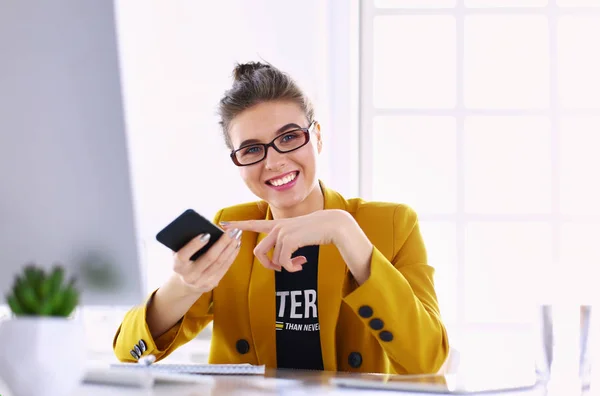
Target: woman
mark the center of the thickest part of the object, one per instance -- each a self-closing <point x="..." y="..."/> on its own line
<point x="303" y="278"/>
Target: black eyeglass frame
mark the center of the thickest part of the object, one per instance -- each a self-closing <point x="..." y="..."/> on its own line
<point x="266" y="146"/>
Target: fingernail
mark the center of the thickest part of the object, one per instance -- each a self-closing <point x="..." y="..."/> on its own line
<point x="224" y="223"/>
<point x="238" y="244"/>
<point x="232" y="232"/>
<point x="238" y="235"/>
<point x="275" y="267"/>
<point x="204" y="238"/>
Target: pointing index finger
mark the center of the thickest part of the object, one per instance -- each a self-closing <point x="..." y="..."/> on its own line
<point x="263" y="226"/>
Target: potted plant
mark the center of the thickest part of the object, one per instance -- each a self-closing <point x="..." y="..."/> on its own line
<point x="43" y="347"/>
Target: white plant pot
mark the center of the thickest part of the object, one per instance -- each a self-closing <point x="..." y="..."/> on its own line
<point x="42" y="355"/>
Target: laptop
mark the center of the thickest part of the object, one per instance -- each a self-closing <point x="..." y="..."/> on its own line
<point x="449" y="384"/>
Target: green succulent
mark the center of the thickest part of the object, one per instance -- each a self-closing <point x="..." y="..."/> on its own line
<point x="37" y="293"/>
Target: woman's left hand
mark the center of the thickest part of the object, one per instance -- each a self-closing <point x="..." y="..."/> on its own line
<point x="286" y="236"/>
<point x="322" y="227"/>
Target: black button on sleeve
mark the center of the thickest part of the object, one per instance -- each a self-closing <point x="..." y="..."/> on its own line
<point x="386" y="336"/>
<point x="355" y="359"/>
<point x="138" y="350"/>
<point x="135" y="355"/>
<point x="376" y="324"/>
<point x="242" y="346"/>
<point x="142" y="345"/>
<point x="365" y="311"/>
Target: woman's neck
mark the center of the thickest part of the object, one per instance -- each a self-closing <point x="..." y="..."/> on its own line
<point x="313" y="202"/>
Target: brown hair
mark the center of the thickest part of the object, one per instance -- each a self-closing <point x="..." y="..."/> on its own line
<point x="255" y="83"/>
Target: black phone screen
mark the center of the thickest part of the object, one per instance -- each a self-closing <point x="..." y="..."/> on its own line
<point x="186" y="227"/>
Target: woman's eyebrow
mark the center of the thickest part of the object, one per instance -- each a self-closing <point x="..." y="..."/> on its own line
<point x="286" y="127"/>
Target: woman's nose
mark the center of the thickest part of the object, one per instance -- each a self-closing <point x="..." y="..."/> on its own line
<point x="274" y="159"/>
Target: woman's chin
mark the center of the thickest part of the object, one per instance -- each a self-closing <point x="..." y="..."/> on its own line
<point x="285" y="202"/>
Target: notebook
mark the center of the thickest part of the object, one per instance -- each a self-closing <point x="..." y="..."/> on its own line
<point x="211" y="369"/>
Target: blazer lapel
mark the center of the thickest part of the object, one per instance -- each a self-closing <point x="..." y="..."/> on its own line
<point x="261" y="301"/>
<point x="262" y="304"/>
<point x="332" y="274"/>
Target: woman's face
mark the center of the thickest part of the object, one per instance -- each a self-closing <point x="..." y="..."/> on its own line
<point x="282" y="179"/>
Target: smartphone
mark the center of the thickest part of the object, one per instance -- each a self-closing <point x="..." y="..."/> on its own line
<point x="186" y="227"/>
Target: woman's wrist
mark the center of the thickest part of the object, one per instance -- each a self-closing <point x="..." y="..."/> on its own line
<point x="169" y="304"/>
<point x="177" y="289"/>
<point x="354" y="246"/>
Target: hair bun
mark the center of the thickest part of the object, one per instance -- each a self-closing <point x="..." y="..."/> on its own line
<point x="245" y="70"/>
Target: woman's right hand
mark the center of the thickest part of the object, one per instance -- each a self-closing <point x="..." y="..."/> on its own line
<point x="205" y="273"/>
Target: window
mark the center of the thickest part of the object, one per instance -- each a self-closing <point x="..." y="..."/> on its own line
<point x="484" y="116"/>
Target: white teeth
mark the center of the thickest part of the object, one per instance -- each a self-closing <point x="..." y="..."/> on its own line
<point x="283" y="180"/>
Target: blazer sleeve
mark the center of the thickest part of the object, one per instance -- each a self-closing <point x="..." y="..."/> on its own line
<point x="134" y="330"/>
<point x="400" y="293"/>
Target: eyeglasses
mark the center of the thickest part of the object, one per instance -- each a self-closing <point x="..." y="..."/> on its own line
<point x="286" y="142"/>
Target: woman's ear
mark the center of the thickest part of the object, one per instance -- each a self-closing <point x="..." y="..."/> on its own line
<point x="319" y="137"/>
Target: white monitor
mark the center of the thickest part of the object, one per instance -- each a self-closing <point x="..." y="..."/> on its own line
<point x="65" y="184"/>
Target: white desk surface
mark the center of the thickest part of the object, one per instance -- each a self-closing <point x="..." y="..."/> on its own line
<point x="275" y="382"/>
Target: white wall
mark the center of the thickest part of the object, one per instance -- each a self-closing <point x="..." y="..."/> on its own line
<point x="176" y="60"/>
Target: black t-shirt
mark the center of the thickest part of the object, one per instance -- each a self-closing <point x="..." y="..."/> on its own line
<point x="297" y="319"/>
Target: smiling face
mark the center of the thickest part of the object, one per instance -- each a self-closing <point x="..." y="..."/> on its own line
<point x="287" y="181"/>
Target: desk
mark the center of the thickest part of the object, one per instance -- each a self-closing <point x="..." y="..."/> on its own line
<point x="275" y="382"/>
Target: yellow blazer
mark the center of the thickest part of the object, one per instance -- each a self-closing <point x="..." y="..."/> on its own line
<point x="399" y="292"/>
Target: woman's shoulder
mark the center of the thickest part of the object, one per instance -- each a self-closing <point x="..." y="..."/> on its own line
<point x="376" y="209"/>
<point x="358" y="206"/>
<point x="244" y="211"/>
<point x="387" y="224"/>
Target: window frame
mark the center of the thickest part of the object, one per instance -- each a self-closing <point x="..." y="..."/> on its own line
<point x="554" y="112"/>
